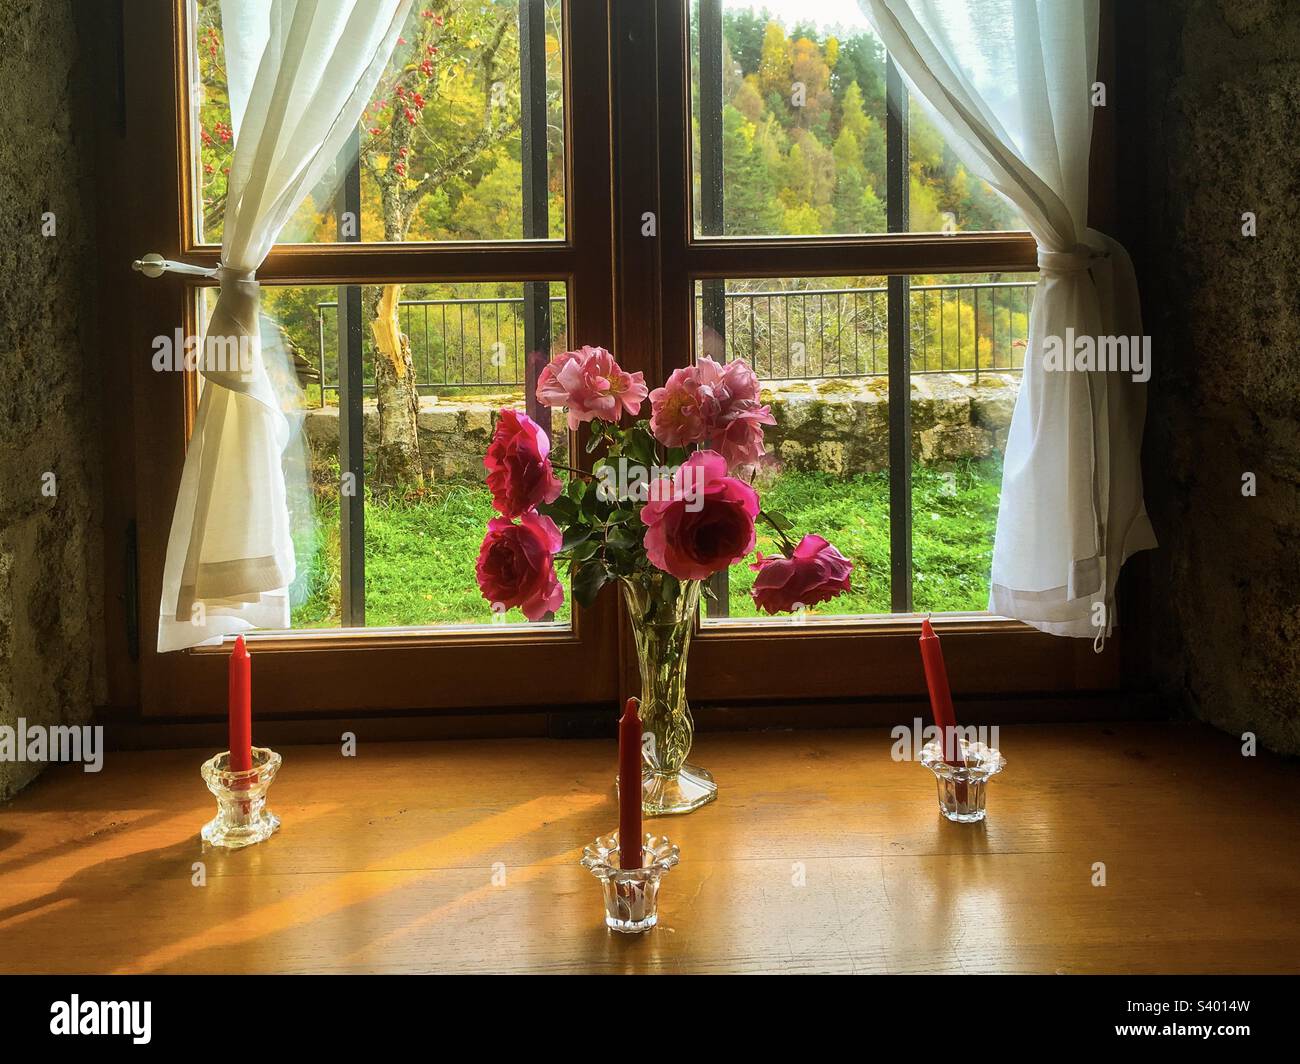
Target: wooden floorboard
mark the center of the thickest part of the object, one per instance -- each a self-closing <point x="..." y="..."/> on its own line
<point x="385" y="861"/>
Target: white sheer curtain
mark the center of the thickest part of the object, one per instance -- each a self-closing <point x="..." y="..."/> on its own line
<point x="300" y="73"/>
<point x="1009" y="83"/>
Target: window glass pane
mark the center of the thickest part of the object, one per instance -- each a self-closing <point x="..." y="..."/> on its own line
<point x="441" y="144"/>
<point x="467" y="345"/>
<point x="801" y="138"/>
<point x="943" y="197"/>
<point x="968" y="334"/>
<point x="820" y="346"/>
<point x="820" y="349"/>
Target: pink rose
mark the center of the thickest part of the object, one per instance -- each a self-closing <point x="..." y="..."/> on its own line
<point x="519" y="469"/>
<point x="817" y="572"/>
<point x="676" y="419"/>
<point x="713" y="404"/>
<point x="590" y="385"/>
<point x="515" y="567"/>
<point x="700" y="521"/>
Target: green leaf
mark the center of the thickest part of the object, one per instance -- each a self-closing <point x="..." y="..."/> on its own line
<point x="641" y="446"/>
<point x="589" y="578"/>
<point x="561" y="511"/>
<point x="574" y="536"/>
<point x="672" y="588"/>
<point x="779" y="520"/>
<point x="623" y="538"/>
<point x="585" y="550"/>
<point x="620" y="562"/>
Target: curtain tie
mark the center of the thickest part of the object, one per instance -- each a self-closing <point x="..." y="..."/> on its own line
<point x="154" y="265"/>
<point x="1077" y="260"/>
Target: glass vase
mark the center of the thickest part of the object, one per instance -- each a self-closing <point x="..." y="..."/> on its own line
<point x="662" y="610"/>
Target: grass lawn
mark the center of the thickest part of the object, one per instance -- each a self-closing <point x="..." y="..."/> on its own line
<point x="420" y="555"/>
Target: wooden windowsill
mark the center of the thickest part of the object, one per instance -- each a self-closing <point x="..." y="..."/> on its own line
<point x="385" y="861"/>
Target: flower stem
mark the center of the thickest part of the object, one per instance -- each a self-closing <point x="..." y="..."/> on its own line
<point x="570" y="469"/>
<point x="787" y="545"/>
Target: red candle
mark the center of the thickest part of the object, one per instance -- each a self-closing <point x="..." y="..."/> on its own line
<point x="241" y="708"/>
<point x="629" y="787"/>
<point x="936" y="679"/>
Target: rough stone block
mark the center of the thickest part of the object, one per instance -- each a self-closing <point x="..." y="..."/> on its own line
<point x="949" y="443"/>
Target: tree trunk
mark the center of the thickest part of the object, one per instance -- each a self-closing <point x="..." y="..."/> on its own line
<point x="397" y="459"/>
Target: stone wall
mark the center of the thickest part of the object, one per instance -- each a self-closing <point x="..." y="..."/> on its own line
<point x="1222" y="78"/>
<point x="834" y="426"/>
<point x="842" y="425"/>
<point x="49" y="543"/>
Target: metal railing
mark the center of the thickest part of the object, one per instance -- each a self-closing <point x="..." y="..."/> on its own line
<point x="842" y="332"/>
<point x="455" y="343"/>
<point x="800" y="334"/>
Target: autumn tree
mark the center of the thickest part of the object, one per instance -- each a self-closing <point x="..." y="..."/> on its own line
<point x="439" y="108"/>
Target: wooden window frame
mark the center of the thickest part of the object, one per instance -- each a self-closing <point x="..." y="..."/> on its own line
<point x="839" y="658"/>
<point x="626" y="152"/>
<point x="362" y="670"/>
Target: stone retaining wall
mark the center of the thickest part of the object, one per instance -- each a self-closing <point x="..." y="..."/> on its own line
<point x="833" y="426"/>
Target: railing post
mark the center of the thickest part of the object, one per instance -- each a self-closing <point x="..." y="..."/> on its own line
<point x="320" y="349"/>
<point x="352" y="513"/>
<point x="900" y="366"/>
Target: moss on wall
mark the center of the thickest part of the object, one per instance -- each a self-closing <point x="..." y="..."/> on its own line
<point x="49" y="543"/>
<point x="1224" y="310"/>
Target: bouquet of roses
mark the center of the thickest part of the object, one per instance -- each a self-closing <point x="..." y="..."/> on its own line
<point x="672" y="495"/>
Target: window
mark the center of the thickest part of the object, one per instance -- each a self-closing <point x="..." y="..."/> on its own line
<point x="790" y="128"/>
<point x="440" y="151"/>
<point x="821" y="347"/>
<point x="497" y="163"/>
<point x="808" y="201"/>
<point x="825" y="233"/>
<point x="892" y="392"/>
<point x="410" y="547"/>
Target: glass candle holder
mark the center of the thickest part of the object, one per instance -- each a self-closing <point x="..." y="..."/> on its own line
<point x="242" y="817"/>
<point x="631" y="895"/>
<point x="962" y="790"/>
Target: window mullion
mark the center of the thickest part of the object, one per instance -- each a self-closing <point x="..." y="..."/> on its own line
<point x="713" y="308"/>
<point x="900" y="375"/>
<point x="532" y="108"/>
<point x="352" y="508"/>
